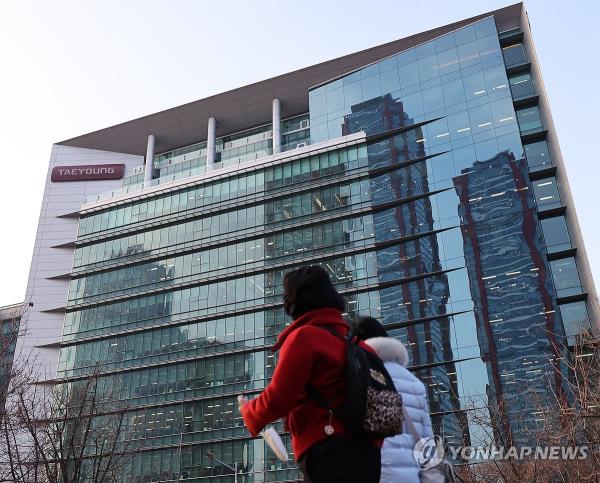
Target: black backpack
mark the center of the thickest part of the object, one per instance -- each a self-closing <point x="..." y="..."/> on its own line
<point x="371" y="407"/>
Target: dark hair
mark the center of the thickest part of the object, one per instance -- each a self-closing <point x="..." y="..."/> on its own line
<point x="309" y="288"/>
<point x="367" y="327"/>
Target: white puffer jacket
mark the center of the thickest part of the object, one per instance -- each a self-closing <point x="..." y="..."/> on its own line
<point x="397" y="462"/>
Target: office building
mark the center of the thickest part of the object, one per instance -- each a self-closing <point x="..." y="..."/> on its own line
<point x="10" y="318"/>
<point x="424" y="175"/>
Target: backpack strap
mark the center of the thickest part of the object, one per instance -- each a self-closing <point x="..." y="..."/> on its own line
<point x="411" y="426"/>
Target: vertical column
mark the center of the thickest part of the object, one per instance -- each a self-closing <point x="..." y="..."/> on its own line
<point x="211" y="142"/>
<point x="276" y="126"/>
<point x="149" y="159"/>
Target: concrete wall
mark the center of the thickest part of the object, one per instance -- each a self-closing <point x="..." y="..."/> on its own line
<point x="48" y="283"/>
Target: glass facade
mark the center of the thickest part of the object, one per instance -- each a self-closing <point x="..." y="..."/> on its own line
<point x="521" y="85"/>
<point x="556" y="234"/>
<point x="10" y="319"/>
<point x="230" y="150"/>
<point x="575" y="318"/>
<point x="514" y="55"/>
<point x="537" y="154"/>
<point x="430" y="224"/>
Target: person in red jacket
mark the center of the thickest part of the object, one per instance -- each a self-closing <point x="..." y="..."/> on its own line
<point x="324" y="449"/>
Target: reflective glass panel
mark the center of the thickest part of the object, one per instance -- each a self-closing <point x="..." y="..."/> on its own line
<point x="556" y="234"/>
<point x="529" y="118"/>
<point x="575" y="319"/>
<point x="514" y="55"/>
<point x="546" y="193"/>
<point x="566" y="277"/>
<point x="431" y="80"/>
<point x="521" y="85"/>
<point x="537" y="154"/>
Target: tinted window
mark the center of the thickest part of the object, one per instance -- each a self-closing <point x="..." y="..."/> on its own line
<point x="566" y="277"/>
<point x="556" y="234"/>
<point x="537" y="154"/>
<point x="513" y="55"/>
<point x="575" y="319"/>
<point x="529" y="118"/>
<point x="546" y="193"/>
<point x="521" y="85"/>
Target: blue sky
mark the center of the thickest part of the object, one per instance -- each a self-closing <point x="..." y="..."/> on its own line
<point x="73" y="66"/>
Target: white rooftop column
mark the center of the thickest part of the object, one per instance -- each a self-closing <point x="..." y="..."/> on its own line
<point x="149" y="159"/>
<point x="211" y="142"/>
<point x="276" y="126"/>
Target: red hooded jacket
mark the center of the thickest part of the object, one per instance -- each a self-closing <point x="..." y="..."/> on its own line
<point x="312" y="355"/>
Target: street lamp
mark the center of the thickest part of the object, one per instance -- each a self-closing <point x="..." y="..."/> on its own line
<point x="212" y="456"/>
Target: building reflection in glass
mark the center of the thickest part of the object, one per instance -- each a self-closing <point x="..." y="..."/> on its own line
<point x="515" y="313"/>
<point x="422" y="299"/>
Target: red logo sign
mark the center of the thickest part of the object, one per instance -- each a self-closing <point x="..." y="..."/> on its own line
<point x="88" y="173"/>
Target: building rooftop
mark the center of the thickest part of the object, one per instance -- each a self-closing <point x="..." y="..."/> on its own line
<point x="250" y="106"/>
<point x="11" y="311"/>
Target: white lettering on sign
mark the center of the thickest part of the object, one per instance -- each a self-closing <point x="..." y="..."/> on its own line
<point x="88" y="173"/>
<point x="76" y="171"/>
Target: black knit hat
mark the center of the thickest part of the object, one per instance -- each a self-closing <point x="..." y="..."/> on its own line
<point x="309" y="288"/>
<point x="367" y="327"/>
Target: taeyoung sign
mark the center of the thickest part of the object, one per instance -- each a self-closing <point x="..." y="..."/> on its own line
<point x="88" y="173"/>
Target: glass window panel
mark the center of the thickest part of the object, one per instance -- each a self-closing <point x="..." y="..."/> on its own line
<point x="521" y="85"/>
<point x="406" y="57"/>
<point x="317" y="105"/>
<point x="464" y="35"/>
<point x="464" y="159"/>
<point x="371" y="87"/>
<point x="369" y="71"/>
<point x="566" y="277"/>
<point x="409" y="74"/>
<point x="428" y="68"/>
<point x="485" y="27"/>
<point x="352" y="94"/>
<point x="443" y="167"/>
<point x="425" y="50"/>
<point x="390" y="81"/>
<point x="468" y="54"/>
<point x="488" y="47"/>
<point x="413" y="105"/>
<point x="481" y="118"/>
<point x="453" y="92"/>
<point x="495" y="79"/>
<point x="546" y="193"/>
<point x="475" y="85"/>
<point x="458" y="125"/>
<point x="433" y="99"/>
<point x="388" y="64"/>
<point x="335" y="100"/>
<point x="529" y="118"/>
<point x="537" y="154"/>
<point x="503" y="112"/>
<point x="448" y="61"/>
<point x="575" y="319"/>
<point x="556" y="234"/>
<point x="513" y="55"/>
<point x="350" y="78"/>
<point x="486" y="149"/>
<point x="332" y="85"/>
<point x="445" y="42"/>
